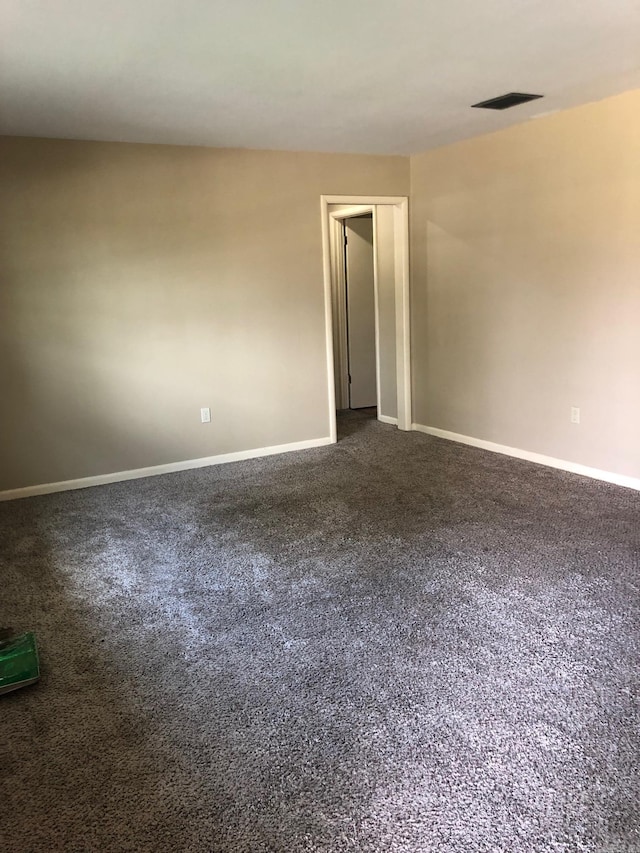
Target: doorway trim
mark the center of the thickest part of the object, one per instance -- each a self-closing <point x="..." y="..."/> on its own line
<point x="400" y="206"/>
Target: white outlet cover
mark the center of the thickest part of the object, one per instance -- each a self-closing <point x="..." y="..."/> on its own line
<point x="205" y="415"/>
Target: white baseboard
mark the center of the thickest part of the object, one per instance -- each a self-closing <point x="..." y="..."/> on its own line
<point x="529" y="456"/>
<point x="387" y="419"/>
<point x="169" y="468"/>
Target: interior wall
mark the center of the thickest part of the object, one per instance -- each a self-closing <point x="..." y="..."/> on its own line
<point x="385" y="245"/>
<point x="361" y="312"/>
<point x="526" y="285"/>
<point x="142" y="282"/>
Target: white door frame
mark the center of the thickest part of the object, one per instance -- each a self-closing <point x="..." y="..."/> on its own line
<point x="401" y="251"/>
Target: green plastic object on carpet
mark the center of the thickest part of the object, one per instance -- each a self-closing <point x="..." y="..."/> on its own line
<point x="19" y="663"/>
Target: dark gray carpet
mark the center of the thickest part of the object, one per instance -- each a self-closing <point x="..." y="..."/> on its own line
<point x="394" y="644"/>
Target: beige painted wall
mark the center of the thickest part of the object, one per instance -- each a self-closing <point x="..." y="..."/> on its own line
<point x="385" y="244"/>
<point x="361" y="312"/>
<point x="139" y="283"/>
<point x="526" y="285"/>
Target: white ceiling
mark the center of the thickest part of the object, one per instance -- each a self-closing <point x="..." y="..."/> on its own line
<point x="374" y="76"/>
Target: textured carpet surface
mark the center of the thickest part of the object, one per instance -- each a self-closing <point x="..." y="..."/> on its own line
<point x="394" y="644"/>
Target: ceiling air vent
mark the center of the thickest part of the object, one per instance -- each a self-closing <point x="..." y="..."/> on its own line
<point x="503" y="102"/>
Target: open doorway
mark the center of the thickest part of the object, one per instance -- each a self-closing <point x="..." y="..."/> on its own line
<point x="359" y="291"/>
<point x="365" y="242"/>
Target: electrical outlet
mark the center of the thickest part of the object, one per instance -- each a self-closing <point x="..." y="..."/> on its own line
<point x="575" y="415"/>
<point x="205" y="415"/>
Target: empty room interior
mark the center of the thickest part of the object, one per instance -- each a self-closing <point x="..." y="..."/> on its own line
<point x="320" y="426"/>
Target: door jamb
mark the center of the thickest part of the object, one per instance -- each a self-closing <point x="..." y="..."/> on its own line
<point x="401" y="251"/>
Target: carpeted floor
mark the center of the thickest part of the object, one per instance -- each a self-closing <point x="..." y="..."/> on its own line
<point x="395" y="644"/>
